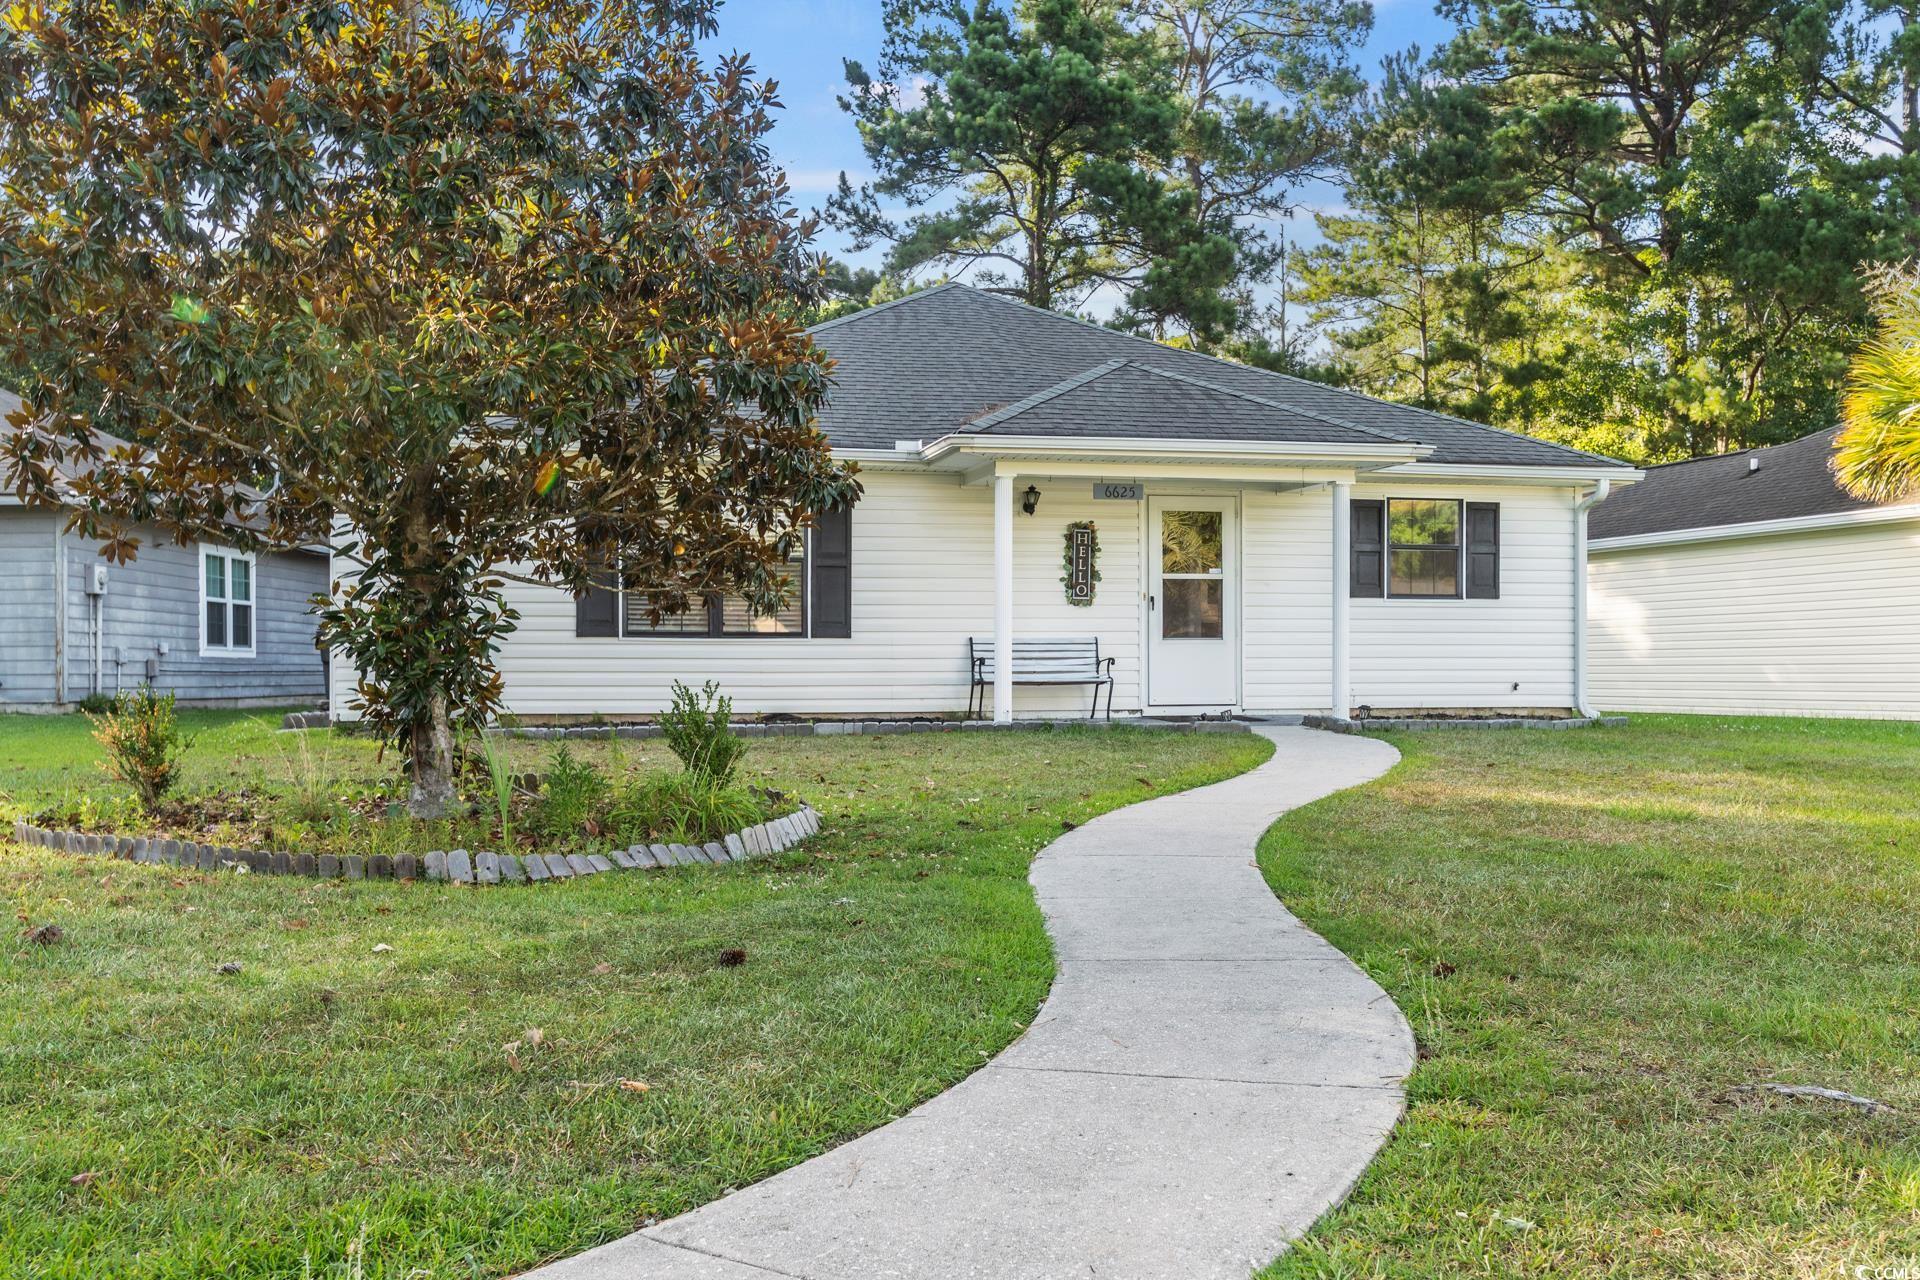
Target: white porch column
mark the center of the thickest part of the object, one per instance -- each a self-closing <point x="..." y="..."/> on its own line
<point x="1341" y="686"/>
<point x="1003" y="599"/>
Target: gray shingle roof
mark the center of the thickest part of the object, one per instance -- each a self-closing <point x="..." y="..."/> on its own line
<point x="1793" y="479"/>
<point x="933" y="362"/>
<point x="1126" y="399"/>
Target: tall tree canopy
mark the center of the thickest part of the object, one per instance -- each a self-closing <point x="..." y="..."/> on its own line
<point x="505" y="291"/>
<point x="1050" y="148"/>
<point x="1015" y="135"/>
<point x="1666" y="264"/>
<point x="1266" y="96"/>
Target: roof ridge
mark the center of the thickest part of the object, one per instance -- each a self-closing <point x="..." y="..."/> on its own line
<point x="864" y="312"/>
<point x="1741" y="453"/>
<point x="992" y="419"/>
<point x="1295" y="410"/>
<point x="1286" y="377"/>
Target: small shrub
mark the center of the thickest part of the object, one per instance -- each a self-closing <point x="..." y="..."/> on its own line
<point x="97" y="704"/>
<point x="576" y="795"/>
<point x="143" y="742"/>
<point x="698" y="730"/>
<point x="680" y="808"/>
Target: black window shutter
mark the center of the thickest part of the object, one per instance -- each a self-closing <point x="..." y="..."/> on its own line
<point x="1483" y="551"/>
<point x="597" y="613"/>
<point x="1368" y="572"/>
<point x="832" y="575"/>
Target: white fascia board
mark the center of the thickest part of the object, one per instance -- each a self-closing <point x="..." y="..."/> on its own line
<point x="1580" y="474"/>
<point x="1102" y="448"/>
<point x="883" y="459"/>
<point x="1759" y="528"/>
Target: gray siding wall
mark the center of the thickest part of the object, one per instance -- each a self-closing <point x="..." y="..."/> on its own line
<point x="150" y="601"/>
<point x="26" y="607"/>
<point x="155" y="599"/>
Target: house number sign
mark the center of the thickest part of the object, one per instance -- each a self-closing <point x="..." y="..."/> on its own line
<point x="1120" y="491"/>
<point x="1083" y="570"/>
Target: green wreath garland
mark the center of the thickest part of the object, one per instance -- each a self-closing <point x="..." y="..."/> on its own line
<point x="1066" y="563"/>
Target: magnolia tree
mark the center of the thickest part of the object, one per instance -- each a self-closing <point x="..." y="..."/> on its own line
<point x="474" y="292"/>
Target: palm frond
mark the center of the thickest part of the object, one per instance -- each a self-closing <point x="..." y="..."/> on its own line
<point x="1876" y="456"/>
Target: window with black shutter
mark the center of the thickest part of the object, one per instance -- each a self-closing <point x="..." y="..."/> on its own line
<point x="1367" y="576"/>
<point x="818" y="570"/>
<point x="1423" y="548"/>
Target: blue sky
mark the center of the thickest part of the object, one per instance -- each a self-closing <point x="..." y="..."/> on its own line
<point x="800" y="43"/>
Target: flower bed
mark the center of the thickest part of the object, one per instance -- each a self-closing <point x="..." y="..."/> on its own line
<point x="576" y="817"/>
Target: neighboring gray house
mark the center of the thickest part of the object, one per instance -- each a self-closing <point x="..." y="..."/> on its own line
<point x="216" y="626"/>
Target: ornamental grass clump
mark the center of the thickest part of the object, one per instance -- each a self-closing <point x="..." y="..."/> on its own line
<point x="574" y="800"/>
<point x="698" y="729"/>
<point x="143" y="743"/>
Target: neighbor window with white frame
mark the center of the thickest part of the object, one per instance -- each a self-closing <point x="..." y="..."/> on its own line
<point x="226" y="601"/>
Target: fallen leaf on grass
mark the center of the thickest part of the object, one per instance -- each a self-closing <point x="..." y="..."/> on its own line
<point x="83" y="1179"/>
<point x="534" y="1036"/>
<point x="512" y="1049"/>
<point x="381" y="948"/>
<point x="603" y="967"/>
<point x="228" y="969"/>
<point x="45" y="935"/>
<point x="635" y="1086"/>
<point x="295" y="922"/>
<point x="1444" y="970"/>
<point x="732" y="957"/>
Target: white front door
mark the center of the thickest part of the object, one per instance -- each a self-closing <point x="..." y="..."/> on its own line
<point x="1192" y="650"/>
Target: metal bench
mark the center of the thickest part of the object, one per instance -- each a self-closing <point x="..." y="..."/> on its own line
<point x="1067" y="660"/>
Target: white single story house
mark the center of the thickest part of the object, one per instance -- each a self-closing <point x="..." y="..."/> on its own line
<point x="1752" y="583"/>
<point x="1230" y="540"/>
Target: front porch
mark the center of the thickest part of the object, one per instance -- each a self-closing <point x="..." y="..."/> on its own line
<point x="1189" y="508"/>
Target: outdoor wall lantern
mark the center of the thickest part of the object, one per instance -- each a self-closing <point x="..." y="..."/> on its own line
<point x="1030" y="500"/>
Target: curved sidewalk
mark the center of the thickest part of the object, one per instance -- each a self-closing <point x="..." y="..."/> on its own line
<point x="1205" y="1079"/>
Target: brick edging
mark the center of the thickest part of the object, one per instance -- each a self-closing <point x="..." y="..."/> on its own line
<point x="1416" y="723"/>
<point x="833" y="728"/>
<point x="454" y="865"/>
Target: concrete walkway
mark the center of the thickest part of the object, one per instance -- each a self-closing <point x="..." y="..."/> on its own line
<point x="1206" y="1078"/>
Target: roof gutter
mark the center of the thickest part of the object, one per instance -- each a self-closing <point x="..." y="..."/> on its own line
<point x="1761" y="528"/>
<point x="1593" y="498"/>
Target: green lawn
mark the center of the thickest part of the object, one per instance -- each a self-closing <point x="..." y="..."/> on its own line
<point x="1603" y="939"/>
<point x="332" y="1104"/>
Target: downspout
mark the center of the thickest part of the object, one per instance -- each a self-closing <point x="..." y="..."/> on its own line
<point x="1598" y="495"/>
<point x="98" y="616"/>
<point x="59" y="612"/>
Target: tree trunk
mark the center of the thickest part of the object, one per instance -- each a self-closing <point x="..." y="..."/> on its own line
<point x="432" y="794"/>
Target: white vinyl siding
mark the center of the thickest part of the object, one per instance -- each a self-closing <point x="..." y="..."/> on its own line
<point x="1813" y="623"/>
<point x="1513" y="652"/>
<point x="922" y="559"/>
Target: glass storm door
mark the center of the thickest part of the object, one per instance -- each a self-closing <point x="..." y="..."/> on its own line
<point x="1191" y="652"/>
